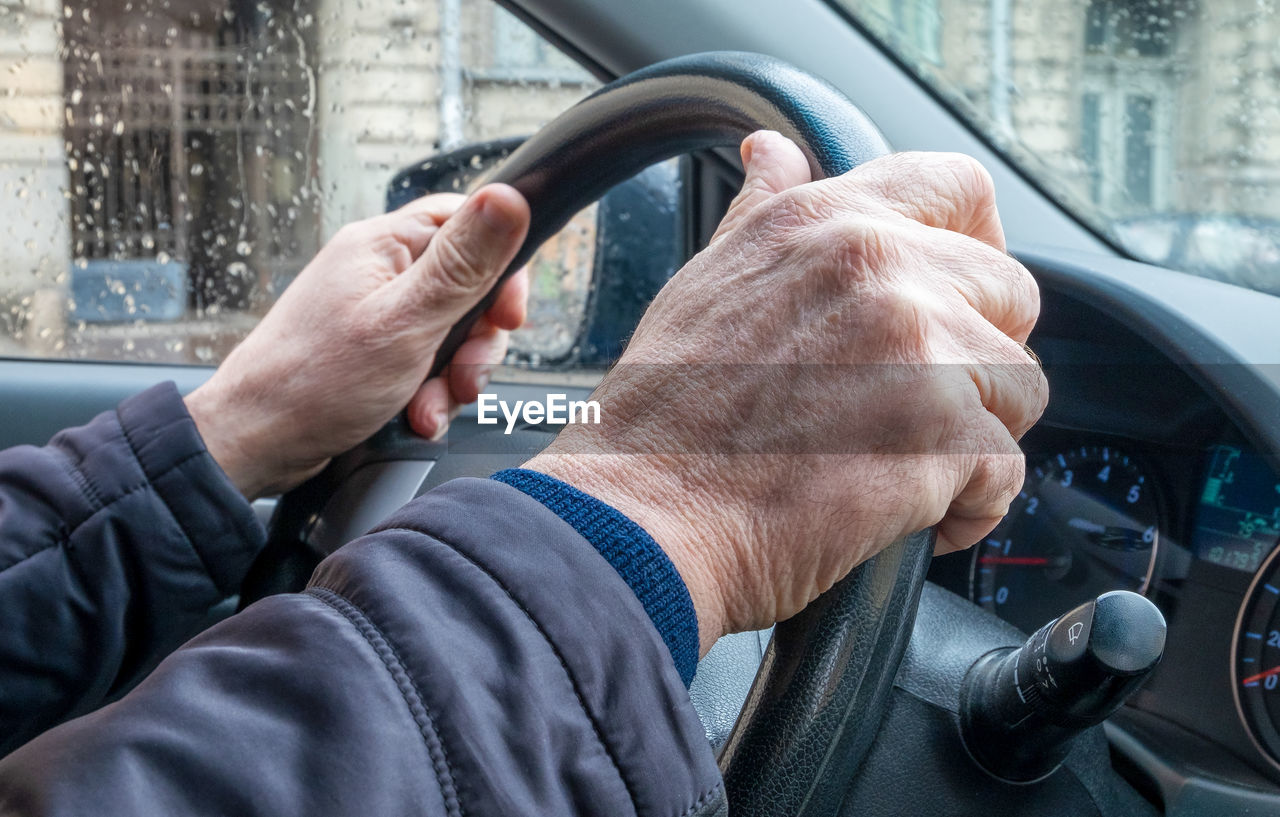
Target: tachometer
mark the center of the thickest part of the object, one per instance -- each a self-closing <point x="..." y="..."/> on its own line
<point x="1255" y="662"/>
<point x="1086" y="522"/>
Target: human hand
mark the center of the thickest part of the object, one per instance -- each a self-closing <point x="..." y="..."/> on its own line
<point x="350" y="341"/>
<point x="842" y="366"/>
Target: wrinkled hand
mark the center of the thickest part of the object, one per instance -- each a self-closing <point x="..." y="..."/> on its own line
<point x="842" y="366"/>
<point x="350" y="342"/>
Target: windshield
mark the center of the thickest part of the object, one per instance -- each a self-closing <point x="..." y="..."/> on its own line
<point x="1156" y="122"/>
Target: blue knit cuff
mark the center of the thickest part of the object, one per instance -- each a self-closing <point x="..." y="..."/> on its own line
<point x="631" y="551"/>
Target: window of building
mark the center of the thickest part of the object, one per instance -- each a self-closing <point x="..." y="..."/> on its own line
<point x="1129" y="28"/>
<point x="518" y="53"/>
<point x="913" y="26"/>
<point x="1126" y="133"/>
<point x="922" y="22"/>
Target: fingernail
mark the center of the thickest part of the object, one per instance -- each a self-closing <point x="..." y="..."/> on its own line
<point x="442" y="426"/>
<point x="746" y="151"/>
<point x="482" y="380"/>
<point x="496" y="215"/>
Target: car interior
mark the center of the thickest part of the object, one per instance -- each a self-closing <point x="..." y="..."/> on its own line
<point x="1153" y="470"/>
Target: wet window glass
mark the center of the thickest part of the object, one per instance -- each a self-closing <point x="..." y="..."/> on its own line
<point x="1157" y="122"/>
<point x="167" y="168"/>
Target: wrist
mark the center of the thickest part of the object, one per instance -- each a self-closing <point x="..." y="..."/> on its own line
<point x="663" y="511"/>
<point x="223" y="433"/>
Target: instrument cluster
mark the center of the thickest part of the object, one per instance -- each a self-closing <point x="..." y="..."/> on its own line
<point x="1193" y="527"/>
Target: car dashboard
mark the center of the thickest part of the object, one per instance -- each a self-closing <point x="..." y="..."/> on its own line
<point x="1143" y="476"/>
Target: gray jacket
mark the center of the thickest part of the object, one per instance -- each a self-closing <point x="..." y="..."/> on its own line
<point x="473" y="656"/>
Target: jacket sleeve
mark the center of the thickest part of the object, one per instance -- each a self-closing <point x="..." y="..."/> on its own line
<point x="116" y="540"/>
<point x="475" y="656"/>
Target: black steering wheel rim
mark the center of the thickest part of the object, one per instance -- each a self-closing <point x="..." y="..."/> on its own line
<point x="671" y="108"/>
<point x="823" y="685"/>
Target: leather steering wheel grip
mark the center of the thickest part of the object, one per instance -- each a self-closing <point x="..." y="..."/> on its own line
<point x="822" y="688"/>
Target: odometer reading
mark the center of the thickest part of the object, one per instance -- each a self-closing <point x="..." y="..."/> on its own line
<point x="1086" y="522"/>
<point x="1238" y="521"/>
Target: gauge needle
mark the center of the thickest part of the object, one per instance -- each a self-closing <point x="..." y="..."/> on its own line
<point x="1110" y="536"/>
<point x="1019" y="561"/>
<point x="1253" y="679"/>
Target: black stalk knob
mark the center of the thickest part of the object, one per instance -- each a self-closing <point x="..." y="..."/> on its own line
<point x="1020" y="708"/>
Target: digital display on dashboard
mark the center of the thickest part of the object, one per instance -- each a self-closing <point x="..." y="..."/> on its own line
<point x="1238" y="521"/>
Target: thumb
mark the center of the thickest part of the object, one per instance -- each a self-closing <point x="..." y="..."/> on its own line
<point x="464" y="259"/>
<point x="773" y="163"/>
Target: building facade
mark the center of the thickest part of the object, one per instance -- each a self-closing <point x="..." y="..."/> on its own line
<point x="1133" y="106"/>
<point x="216" y="145"/>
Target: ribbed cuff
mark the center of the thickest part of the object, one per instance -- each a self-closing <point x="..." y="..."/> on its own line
<point x="631" y="551"/>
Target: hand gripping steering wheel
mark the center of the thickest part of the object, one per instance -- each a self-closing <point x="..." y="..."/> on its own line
<point x="819" y="695"/>
<point x="823" y="684"/>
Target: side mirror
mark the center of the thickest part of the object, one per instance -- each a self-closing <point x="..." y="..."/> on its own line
<point x="593" y="281"/>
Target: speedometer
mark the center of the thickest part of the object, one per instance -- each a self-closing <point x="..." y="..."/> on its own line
<point x="1255" y="662"/>
<point x="1086" y="522"/>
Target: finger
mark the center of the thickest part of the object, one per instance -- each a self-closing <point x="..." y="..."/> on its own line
<point x="430" y="409"/>
<point x="482" y="326"/>
<point x="949" y="191"/>
<point x="773" y="163"/>
<point x="992" y="282"/>
<point x="1011" y="384"/>
<point x="511" y="308"/>
<point x="1014" y="393"/>
<point x="998" y="472"/>
<point x="474" y="362"/>
<point x="465" y="258"/>
<point x="438" y="400"/>
<point x="414" y="224"/>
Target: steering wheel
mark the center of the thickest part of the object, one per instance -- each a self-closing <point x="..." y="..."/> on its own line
<point x="822" y="687"/>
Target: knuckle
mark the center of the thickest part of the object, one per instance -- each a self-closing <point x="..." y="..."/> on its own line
<point x="997" y="283"/>
<point x="1030" y="376"/>
<point x="914" y="322"/>
<point x="1019" y="291"/>
<point x="457" y="266"/>
<point x="1021" y="383"/>
<point x="909" y="318"/>
<point x="970" y="177"/>
<point x="978" y="261"/>
<point x="390" y="247"/>
<point x="1011" y="474"/>
<point x="792" y="209"/>
<point x="754" y="190"/>
<point x="877" y="175"/>
<point x="865" y="244"/>
<point x="950" y="406"/>
<point x="1039" y="392"/>
<point x="999" y="475"/>
<point x="1001" y="266"/>
<point x="754" y="195"/>
<point x="1028" y="296"/>
<point x="782" y="223"/>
